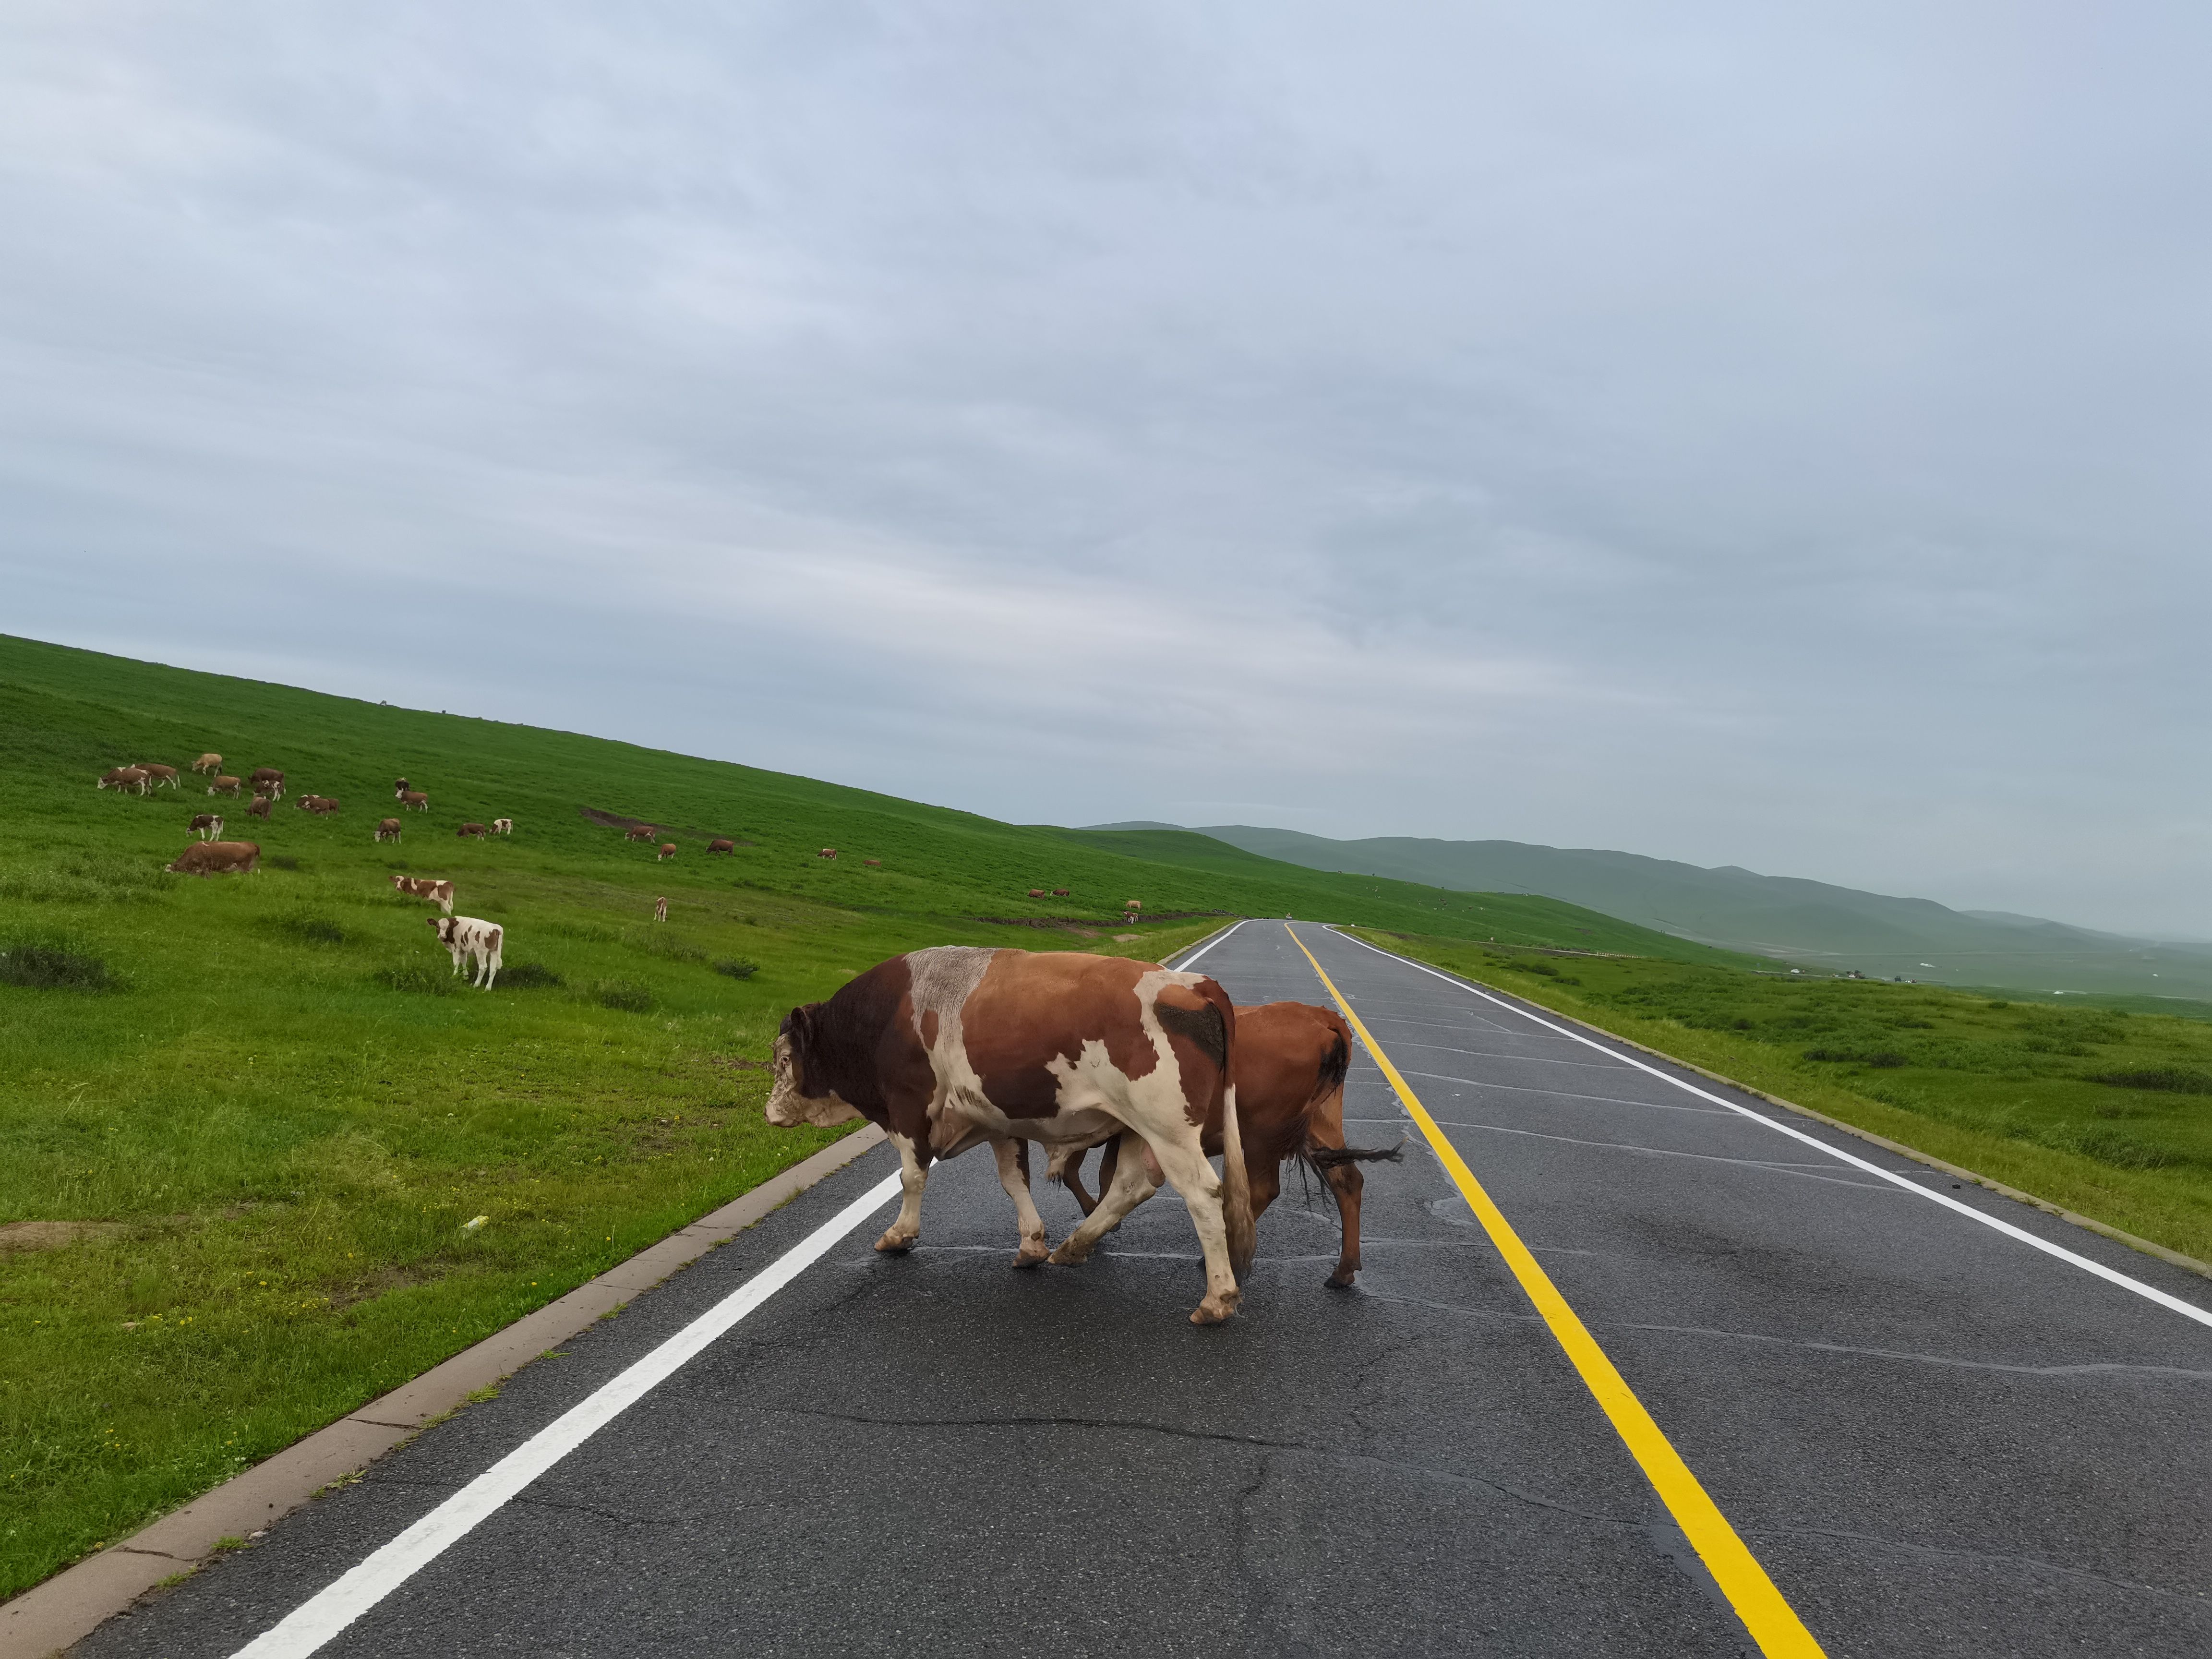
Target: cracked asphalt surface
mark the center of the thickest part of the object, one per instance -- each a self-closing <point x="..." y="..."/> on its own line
<point x="1935" y="1439"/>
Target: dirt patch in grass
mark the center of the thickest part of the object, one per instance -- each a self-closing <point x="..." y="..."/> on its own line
<point x="52" y="1235"/>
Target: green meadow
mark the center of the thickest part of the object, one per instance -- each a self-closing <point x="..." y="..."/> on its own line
<point x="2103" y="1108"/>
<point x="247" y="1120"/>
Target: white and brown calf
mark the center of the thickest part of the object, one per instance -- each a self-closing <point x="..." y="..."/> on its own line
<point x="439" y="892"/>
<point x="502" y="826"/>
<point x="470" y="939"/>
<point x="268" y="781"/>
<point x="661" y="909"/>
<point x="206" y="826"/>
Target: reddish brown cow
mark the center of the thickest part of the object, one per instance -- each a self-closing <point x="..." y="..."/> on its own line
<point x="225" y="786"/>
<point x="468" y="830"/>
<point x="642" y="832"/>
<point x="827" y="852"/>
<point x="125" y="779"/>
<point x="951" y="1047"/>
<point x="439" y="892"/>
<point x="661" y="909"/>
<point x="1059" y="892"/>
<point x="160" y="773"/>
<point x="414" y="798"/>
<point x="209" y="762"/>
<point x="218" y="857"/>
<point x="872" y="864"/>
<point x="206" y="826"/>
<point x="1291" y="1062"/>
<point x="667" y="851"/>
<point x="721" y="844"/>
<point x="1036" y="892"/>
<point x="388" y="830"/>
<point x="260" y="807"/>
<point x="268" y="781"/>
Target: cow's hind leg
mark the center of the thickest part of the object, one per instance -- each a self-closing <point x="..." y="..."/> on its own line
<point x="1345" y="1181"/>
<point x="1132" y="1185"/>
<point x="913" y="1176"/>
<point x="1183" y="1162"/>
<point x="1015" y="1178"/>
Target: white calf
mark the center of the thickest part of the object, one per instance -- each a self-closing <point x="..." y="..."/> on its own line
<point x="466" y="937"/>
<point x="502" y="826"/>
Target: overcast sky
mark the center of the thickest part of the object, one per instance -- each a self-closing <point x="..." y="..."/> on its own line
<point x="1753" y="434"/>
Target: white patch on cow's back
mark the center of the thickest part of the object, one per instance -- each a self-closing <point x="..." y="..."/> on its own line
<point x="942" y="979"/>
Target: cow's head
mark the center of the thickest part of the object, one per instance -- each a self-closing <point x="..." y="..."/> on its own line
<point x="442" y="926"/>
<point x="791" y="1101"/>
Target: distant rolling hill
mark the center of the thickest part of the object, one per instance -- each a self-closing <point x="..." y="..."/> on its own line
<point x="1812" y="923"/>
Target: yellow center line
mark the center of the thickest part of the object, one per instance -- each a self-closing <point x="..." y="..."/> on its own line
<point x="1772" y="1622"/>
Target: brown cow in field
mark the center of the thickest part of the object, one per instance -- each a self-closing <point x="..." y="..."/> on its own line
<point x="440" y="892"/>
<point x="206" y="826"/>
<point x="667" y="851"/>
<point x="468" y="830"/>
<point x="954" y="1046"/>
<point x="208" y="763"/>
<point x="502" y="826"/>
<point x="320" y="805"/>
<point x="1133" y="904"/>
<point x="1059" y="892"/>
<point x="661" y="909"/>
<point x="388" y="830"/>
<point x="413" y="798"/>
<point x="160" y="773"/>
<point x="268" y="781"/>
<point x="218" y="857"/>
<point x="1291" y="1062"/>
<point x="224" y="786"/>
<point x="258" y="810"/>
<point x="125" y="779"/>
<point x="721" y="844"/>
<point x="641" y="832"/>
<point x="872" y="864"/>
<point x="827" y="852"/>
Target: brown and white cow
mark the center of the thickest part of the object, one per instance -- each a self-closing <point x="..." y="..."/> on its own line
<point x="661" y="909"/>
<point x="209" y="762"/>
<point x="320" y="805"/>
<point x="268" y="781"/>
<point x="160" y="773"/>
<point x="218" y="857"/>
<point x="721" y="844"/>
<point x="388" y="830"/>
<point x="259" y="809"/>
<point x="954" y="1046"/>
<point x="1292" y="1058"/>
<point x="667" y="851"/>
<point x="206" y="826"/>
<point x="225" y="786"/>
<point x="468" y="830"/>
<point x="827" y="852"/>
<point x="641" y="832"/>
<point x="1036" y="892"/>
<point x="438" y="891"/>
<point x="125" y="779"/>
<point x="400" y="786"/>
<point x="467" y="938"/>
<point x="413" y="798"/>
<point x="502" y="826"/>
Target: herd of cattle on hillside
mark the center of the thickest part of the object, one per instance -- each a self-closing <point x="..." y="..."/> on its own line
<point x="958" y="1046"/>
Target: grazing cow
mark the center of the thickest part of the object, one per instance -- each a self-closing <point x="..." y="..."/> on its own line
<point x="413" y="798"/>
<point x="439" y="892"/>
<point x="468" y="830"/>
<point x="268" y="781"/>
<point x="320" y="805"/>
<point x="1036" y="892"/>
<point x="388" y="830"/>
<point x="502" y="826"/>
<point x="827" y="852"/>
<point x="1291" y="1062"/>
<point x="218" y="858"/>
<point x="466" y="937"/>
<point x="206" y="826"/>
<point x="721" y="844"/>
<point x="1059" y="892"/>
<point x="641" y="832"/>
<point x="258" y="810"/>
<point x="953" y="1046"/>
<point x="1133" y="904"/>
<point x="661" y="909"/>
<point x="225" y="786"/>
<point x="208" y="763"/>
<point x="124" y="780"/>
<point x="160" y="773"/>
<point x="667" y="851"/>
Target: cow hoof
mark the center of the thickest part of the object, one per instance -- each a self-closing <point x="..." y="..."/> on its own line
<point x="892" y="1244"/>
<point x="1213" y="1310"/>
<point x="1341" y="1278"/>
<point x="1064" y="1257"/>
<point x="1028" y="1259"/>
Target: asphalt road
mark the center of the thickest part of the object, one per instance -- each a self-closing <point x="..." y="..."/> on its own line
<point x="1935" y="1438"/>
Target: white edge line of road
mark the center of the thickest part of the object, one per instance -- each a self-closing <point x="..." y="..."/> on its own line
<point x="331" y="1610"/>
<point x="2151" y="1292"/>
<point x="1207" y="944"/>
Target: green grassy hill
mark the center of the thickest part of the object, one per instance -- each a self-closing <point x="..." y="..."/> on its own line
<point x="247" y="1119"/>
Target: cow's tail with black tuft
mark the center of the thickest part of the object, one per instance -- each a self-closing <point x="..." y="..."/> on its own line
<point x="1315" y="1161"/>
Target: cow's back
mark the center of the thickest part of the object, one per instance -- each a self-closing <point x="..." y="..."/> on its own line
<point x="1290" y="1058"/>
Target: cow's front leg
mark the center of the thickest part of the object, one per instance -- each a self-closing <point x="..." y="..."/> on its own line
<point x="1016" y="1179"/>
<point x="913" y="1176"/>
<point x="1132" y="1184"/>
